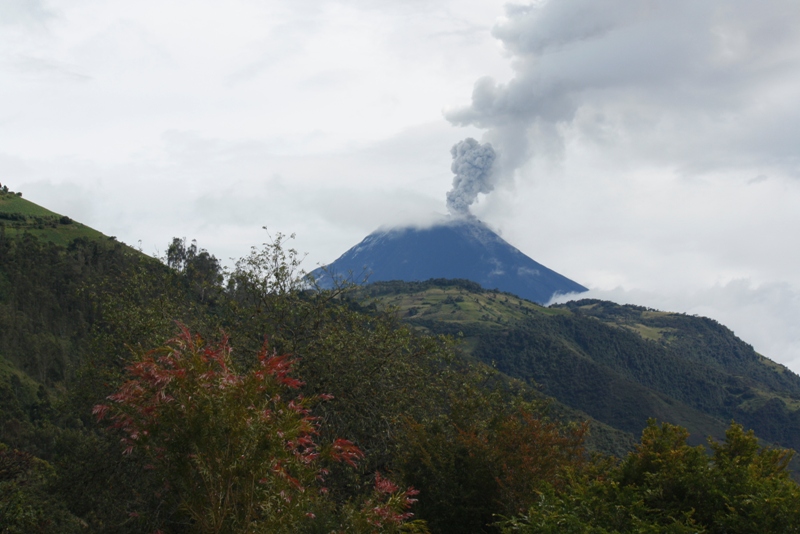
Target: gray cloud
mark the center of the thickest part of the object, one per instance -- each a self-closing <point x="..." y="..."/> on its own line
<point x="472" y="166"/>
<point x="281" y="45"/>
<point x="47" y="69"/>
<point x="696" y="84"/>
<point x="24" y="13"/>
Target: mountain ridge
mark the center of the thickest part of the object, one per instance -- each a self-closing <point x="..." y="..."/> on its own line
<point x="620" y="364"/>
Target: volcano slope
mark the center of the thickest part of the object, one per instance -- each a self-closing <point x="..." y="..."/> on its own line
<point x="455" y="248"/>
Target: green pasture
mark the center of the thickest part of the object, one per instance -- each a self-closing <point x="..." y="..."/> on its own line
<point x="19" y="215"/>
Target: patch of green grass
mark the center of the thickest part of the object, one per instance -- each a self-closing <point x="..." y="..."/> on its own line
<point x="18" y="216"/>
<point x="61" y="235"/>
<point x="757" y="397"/>
<point x="649" y="314"/>
<point x="452" y="304"/>
<point x="10" y="203"/>
<point x="648" y="332"/>
<point x="777" y="367"/>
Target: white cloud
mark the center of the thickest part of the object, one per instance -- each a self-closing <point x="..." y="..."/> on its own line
<point x="27" y="13"/>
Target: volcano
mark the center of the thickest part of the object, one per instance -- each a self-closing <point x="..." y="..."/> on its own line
<point x="456" y="248"/>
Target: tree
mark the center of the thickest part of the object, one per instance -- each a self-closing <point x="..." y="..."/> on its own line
<point x="667" y="486"/>
<point x="238" y="450"/>
<point x="379" y="371"/>
<point x="25" y="501"/>
<point x="201" y="269"/>
<point x="489" y="456"/>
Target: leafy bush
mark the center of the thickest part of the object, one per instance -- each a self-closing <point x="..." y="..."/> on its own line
<point x="668" y="486"/>
<point x="237" y="450"/>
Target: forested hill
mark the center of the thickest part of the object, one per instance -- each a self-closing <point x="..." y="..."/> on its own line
<point x="146" y="395"/>
<point x="620" y="364"/>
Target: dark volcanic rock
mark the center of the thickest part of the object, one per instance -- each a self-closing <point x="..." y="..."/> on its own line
<point x="459" y="248"/>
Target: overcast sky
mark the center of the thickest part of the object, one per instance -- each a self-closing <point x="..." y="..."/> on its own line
<point x="647" y="149"/>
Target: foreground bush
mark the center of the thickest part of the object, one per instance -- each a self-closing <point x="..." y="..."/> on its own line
<point x="668" y="486"/>
<point x="238" y="450"/>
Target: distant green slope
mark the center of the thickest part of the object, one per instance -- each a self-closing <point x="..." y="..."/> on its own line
<point x="619" y="364"/>
<point x="18" y="215"/>
<point x="465" y="310"/>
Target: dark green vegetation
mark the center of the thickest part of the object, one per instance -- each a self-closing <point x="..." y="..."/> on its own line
<point x="114" y="418"/>
<point x="668" y="486"/>
<point x="619" y="364"/>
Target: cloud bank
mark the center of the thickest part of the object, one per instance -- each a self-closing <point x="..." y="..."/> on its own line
<point x="694" y="85"/>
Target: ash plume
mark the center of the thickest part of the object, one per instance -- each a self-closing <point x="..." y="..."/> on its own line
<point x="472" y="166"/>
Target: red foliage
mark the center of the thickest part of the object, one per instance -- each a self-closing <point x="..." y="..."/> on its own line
<point x="389" y="507"/>
<point x="210" y="429"/>
<point x="345" y="451"/>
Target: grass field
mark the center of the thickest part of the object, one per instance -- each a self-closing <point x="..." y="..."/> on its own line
<point x="453" y="304"/>
<point x="11" y="203"/>
<point x="18" y="215"/>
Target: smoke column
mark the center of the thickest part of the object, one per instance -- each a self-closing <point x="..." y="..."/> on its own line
<point x="472" y="166"/>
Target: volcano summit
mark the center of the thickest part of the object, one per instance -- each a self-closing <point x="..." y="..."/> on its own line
<point x="461" y="247"/>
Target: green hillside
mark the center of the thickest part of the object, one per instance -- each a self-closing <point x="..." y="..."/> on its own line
<point x="619" y="364"/>
<point x="142" y="397"/>
<point x="19" y="215"/>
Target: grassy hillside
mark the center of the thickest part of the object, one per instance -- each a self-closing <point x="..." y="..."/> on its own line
<point x="456" y="307"/>
<point x="619" y="364"/>
<point x="18" y="215"/>
<point x="455" y="302"/>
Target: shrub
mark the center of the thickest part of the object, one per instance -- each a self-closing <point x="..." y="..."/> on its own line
<point x="238" y="450"/>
